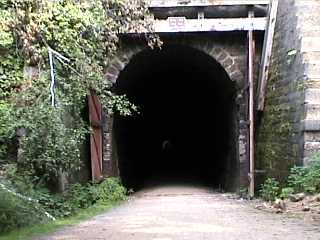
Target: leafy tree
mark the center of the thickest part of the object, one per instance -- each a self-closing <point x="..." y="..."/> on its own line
<point x="86" y="32"/>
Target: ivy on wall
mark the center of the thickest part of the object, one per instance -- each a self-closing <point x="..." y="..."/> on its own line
<point x="87" y="33"/>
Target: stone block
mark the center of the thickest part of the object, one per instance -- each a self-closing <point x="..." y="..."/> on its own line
<point x="312" y="111"/>
<point x="310" y="57"/>
<point x="118" y="64"/>
<point x="310" y="44"/>
<point x="313" y="68"/>
<point x="312" y="96"/>
<point x="312" y="146"/>
<point x="312" y="136"/>
<point x="310" y="149"/>
<point x="236" y="76"/>
<point x="242" y="149"/>
<point x="215" y="52"/>
<point x="227" y="62"/>
<point x="222" y="56"/>
<point x="311" y="125"/>
<point x="308" y="3"/>
<point x="310" y="31"/>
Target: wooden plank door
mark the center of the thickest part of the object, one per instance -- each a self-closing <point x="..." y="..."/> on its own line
<point x="96" y="136"/>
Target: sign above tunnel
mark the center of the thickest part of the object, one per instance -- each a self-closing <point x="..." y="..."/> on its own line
<point x="207" y="16"/>
<point x="203" y="3"/>
<point x="176" y="23"/>
<point x="181" y="24"/>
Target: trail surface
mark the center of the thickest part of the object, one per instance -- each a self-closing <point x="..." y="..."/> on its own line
<point x="176" y="213"/>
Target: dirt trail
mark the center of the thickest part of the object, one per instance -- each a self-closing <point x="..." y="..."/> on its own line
<point x="174" y="213"/>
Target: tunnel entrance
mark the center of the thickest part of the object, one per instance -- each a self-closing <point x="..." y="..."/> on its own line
<point x="186" y="129"/>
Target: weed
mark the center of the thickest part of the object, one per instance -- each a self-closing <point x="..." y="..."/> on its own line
<point x="270" y="189"/>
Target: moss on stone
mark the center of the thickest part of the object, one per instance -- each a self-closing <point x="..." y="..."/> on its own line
<point x="275" y="153"/>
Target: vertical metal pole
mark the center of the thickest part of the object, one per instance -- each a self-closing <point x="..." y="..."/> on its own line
<point x="251" y="107"/>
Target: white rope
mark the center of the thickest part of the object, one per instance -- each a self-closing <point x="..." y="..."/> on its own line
<point x="63" y="59"/>
<point x="48" y="215"/>
<point x="58" y="54"/>
<point x="17" y="194"/>
<point x="52" y="77"/>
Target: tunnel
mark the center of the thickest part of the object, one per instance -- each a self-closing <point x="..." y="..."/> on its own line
<point x="185" y="127"/>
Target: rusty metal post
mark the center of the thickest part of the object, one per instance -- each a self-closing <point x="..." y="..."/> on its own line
<point x="251" y="47"/>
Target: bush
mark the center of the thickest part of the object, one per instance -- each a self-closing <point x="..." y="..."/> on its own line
<point x="307" y="178"/>
<point x="16" y="212"/>
<point x="270" y="189"/>
<point x="6" y="130"/>
<point x="301" y="179"/>
<point x="81" y="197"/>
<point x="286" y="192"/>
<point x="111" y="190"/>
<point x="54" y="204"/>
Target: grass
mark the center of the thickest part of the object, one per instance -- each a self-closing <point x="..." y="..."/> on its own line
<point x="47" y="228"/>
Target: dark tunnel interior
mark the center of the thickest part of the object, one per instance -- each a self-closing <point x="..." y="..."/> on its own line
<point x="186" y="127"/>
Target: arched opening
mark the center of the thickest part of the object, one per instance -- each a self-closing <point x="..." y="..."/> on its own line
<point x="186" y="128"/>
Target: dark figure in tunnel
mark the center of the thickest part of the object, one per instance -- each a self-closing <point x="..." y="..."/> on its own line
<point x="186" y="128"/>
<point x="166" y="150"/>
<point x="168" y="155"/>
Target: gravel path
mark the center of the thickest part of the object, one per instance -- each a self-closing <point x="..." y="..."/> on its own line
<point x="174" y="213"/>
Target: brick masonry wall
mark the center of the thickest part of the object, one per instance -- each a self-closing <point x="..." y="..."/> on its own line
<point x="289" y="129"/>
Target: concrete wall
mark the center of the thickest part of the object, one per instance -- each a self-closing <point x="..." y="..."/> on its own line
<point x="289" y="130"/>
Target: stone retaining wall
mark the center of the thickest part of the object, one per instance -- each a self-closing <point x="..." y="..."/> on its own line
<point x="289" y="131"/>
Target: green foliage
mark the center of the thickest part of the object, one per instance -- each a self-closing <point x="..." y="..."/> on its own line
<point x="17" y="212"/>
<point x="6" y="37"/>
<point x="54" y="204"/>
<point x="297" y="177"/>
<point x="270" y="189"/>
<point x="286" y="192"/>
<point x="81" y="197"/>
<point x="50" y="145"/>
<point x="307" y="178"/>
<point x="11" y="74"/>
<point x="243" y="192"/>
<point x="37" y="230"/>
<point x="86" y="32"/>
<point x="109" y="190"/>
<point x="5" y="128"/>
<point x="21" y="183"/>
<point x="301" y="179"/>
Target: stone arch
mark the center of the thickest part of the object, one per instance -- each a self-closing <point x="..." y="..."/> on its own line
<point x="219" y="53"/>
<point x="119" y="62"/>
<point x="228" y="62"/>
<point x="232" y="58"/>
<point x="122" y="65"/>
